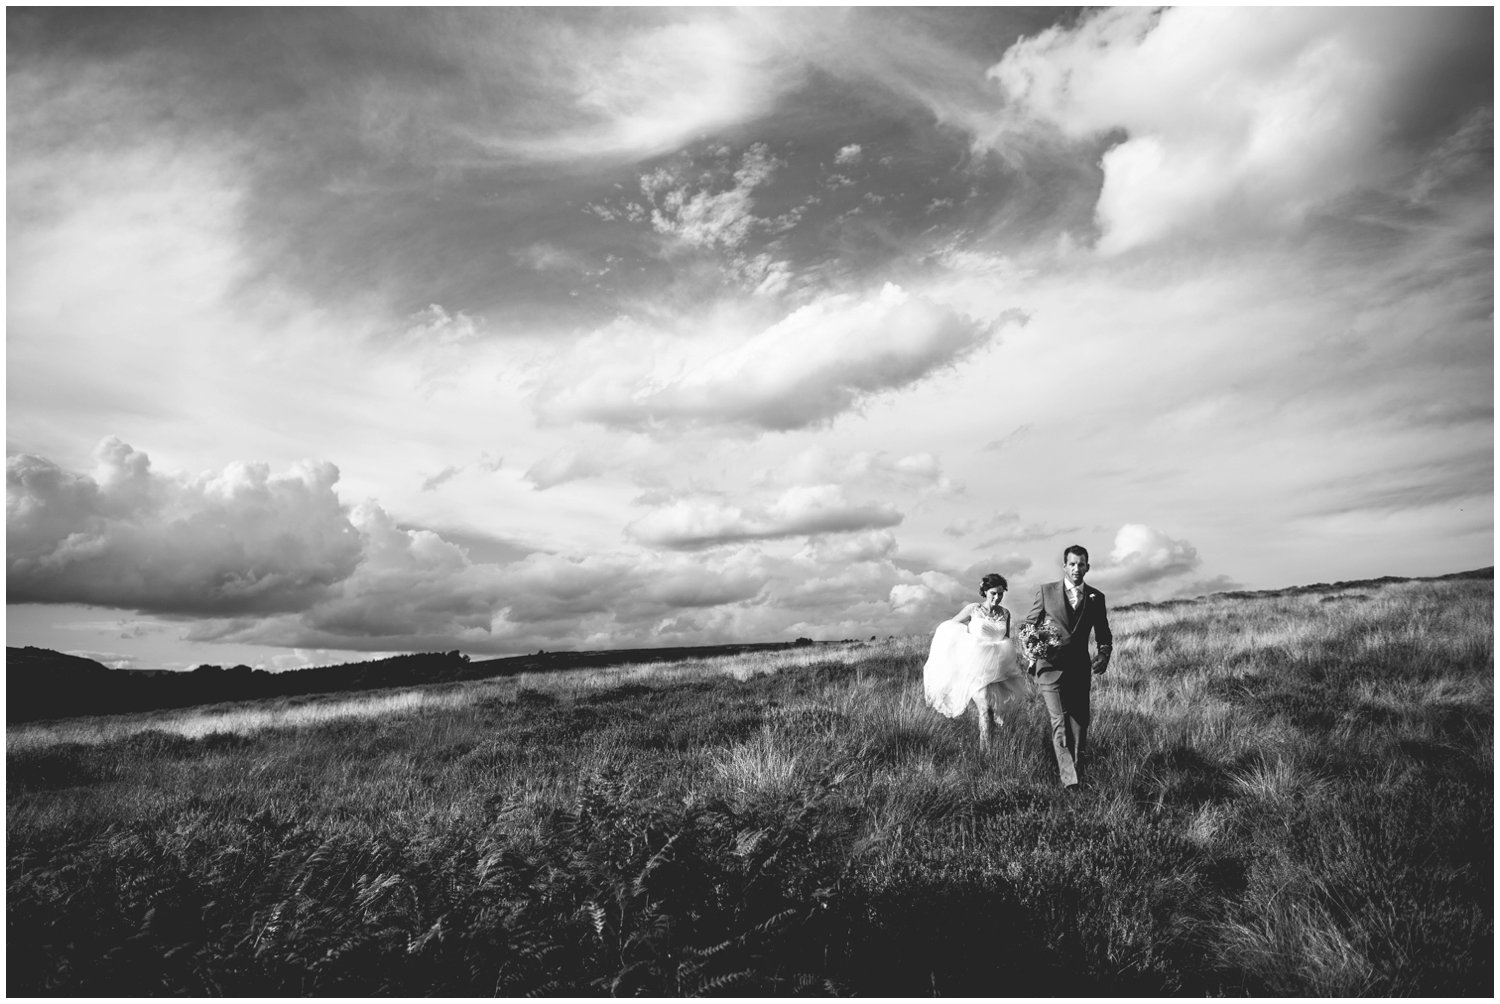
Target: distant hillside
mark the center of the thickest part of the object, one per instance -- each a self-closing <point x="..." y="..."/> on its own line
<point x="42" y="684"/>
<point x="1317" y="587"/>
<point x="31" y="659"/>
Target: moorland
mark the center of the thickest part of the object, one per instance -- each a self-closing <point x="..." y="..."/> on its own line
<point x="1289" y="793"/>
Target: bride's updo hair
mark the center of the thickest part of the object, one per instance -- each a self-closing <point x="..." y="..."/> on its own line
<point x="994" y="580"/>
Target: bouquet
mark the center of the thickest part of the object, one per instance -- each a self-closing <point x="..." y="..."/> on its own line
<point x="1041" y="641"/>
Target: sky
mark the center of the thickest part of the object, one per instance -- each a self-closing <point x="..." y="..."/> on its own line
<point x="339" y="333"/>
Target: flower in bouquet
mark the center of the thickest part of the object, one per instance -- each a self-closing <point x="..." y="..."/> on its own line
<point x="1041" y="641"/>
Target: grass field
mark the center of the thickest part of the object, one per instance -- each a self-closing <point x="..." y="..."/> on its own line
<point x="1290" y="795"/>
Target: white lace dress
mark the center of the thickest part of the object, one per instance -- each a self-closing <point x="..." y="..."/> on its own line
<point x="968" y="658"/>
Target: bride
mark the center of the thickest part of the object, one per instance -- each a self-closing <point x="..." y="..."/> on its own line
<point x="973" y="660"/>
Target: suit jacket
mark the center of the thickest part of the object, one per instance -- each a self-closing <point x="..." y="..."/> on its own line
<point x="1052" y="602"/>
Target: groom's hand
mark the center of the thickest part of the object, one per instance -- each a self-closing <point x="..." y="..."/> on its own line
<point x="1101" y="663"/>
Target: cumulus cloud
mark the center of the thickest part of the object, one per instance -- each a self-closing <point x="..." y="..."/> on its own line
<point x="410" y="583"/>
<point x="931" y="597"/>
<point x="847" y="549"/>
<point x="1143" y="556"/>
<point x="241" y="540"/>
<point x="692" y="524"/>
<point x="1235" y="118"/>
<point x="849" y="155"/>
<point x="817" y="363"/>
<point x="417" y="592"/>
<point x="251" y="557"/>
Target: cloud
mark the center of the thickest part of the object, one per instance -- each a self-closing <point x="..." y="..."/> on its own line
<point x="610" y="88"/>
<point x="409" y="584"/>
<point x="113" y="660"/>
<point x="1236" y="120"/>
<point x="851" y="548"/>
<point x="1468" y="153"/>
<point x="485" y="463"/>
<point x="441" y="477"/>
<point x="1011" y="566"/>
<point x="1002" y="527"/>
<point x="692" y="524"/>
<point x="1143" y="556"/>
<point x="1017" y="434"/>
<point x="818" y="362"/>
<point x="704" y="208"/>
<point x="916" y="470"/>
<point x="627" y="590"/>
<point x="545" y="256"/>
<point x="1206" y="587"/>
<point x="685" y="205"/>
<point x="239" y="541"/>
<point x="849" y="155"/>
<point x="561" y="467"/>
<point x="932" y="597"/>
<point x="245" y="556"/>
<point x="878" y="469"/>
<point x="416" y="592"/>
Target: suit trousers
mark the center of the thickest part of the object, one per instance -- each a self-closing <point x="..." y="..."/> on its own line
<point x="1065" y="691"/>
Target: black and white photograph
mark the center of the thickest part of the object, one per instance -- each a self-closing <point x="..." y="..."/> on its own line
<point x="750" y="501"/>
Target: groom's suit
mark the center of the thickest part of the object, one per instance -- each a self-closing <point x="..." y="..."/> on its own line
<point x="1066" y="677"/>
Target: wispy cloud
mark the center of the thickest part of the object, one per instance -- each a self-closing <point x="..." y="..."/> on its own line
<point x="1003" y="527"/>
<point x="877" y="470"/>
<point x="561" y="467"/>
<point x="633" y="87"/>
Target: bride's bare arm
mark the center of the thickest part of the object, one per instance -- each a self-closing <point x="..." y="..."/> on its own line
<point x="962" y="617"/>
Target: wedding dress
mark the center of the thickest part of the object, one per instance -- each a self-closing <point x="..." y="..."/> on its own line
<point x="967" y="658"/>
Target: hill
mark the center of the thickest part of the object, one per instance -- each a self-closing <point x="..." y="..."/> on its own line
<point x="1289" y="795"/>
<point x="42" y="684"/>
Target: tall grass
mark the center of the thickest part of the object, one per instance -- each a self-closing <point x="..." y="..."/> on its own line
<point x="1288" y="795"/>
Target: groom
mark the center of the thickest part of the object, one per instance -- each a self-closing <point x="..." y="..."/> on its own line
<point x="1064" y="678"/>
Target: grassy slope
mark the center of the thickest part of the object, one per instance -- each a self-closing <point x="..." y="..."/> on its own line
<point x="1292" y="795"/>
